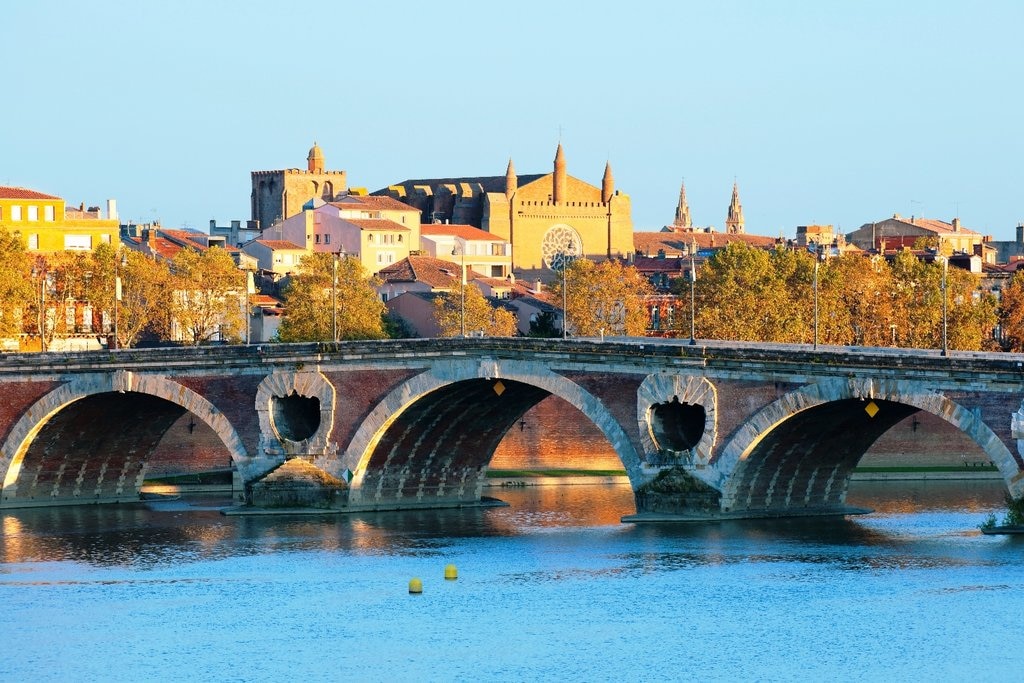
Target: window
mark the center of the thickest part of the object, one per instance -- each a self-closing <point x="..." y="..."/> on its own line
<point x="318" y="239"/>
<point x="15" y="213"/>
<point x="327" y="238"/>
<point x="78" y="242"/>
<point x="385" y="257"/>
<point x="369" y="237"/>
<point x="33" y="213"/>
<point x="48" y="213"/>
<point x="105" y="239"/>
<point x="33" y="241"/>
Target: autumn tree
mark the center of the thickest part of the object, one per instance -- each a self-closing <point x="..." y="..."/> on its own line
<point x="313" y="301"/>
<point x="603" y="297"/>
<point x="1011" y="314"/>
<point x="146" y="294"/>
<point x="208" y="295"/>
<point x="474" y="314"/>
<point x="16" y="290"/>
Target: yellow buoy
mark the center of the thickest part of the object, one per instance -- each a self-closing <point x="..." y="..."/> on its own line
<point x="450" y="572"/>
<point x="415" y="585"/>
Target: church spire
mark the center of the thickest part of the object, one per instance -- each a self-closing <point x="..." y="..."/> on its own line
<point x="558" y="180"/>
<point x="607" y="183"/>
<point x="734" y="223"/>
<point x="511" y="182"/>
<point x="682" y="219"/>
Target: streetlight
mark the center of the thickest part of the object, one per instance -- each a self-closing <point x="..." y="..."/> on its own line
<point x="460" y="251"/>
<point x="945" y="313"/>
<point x="40" y="272"/>
<point x="817" y="263"/>
<point x="334" y="298"/>
<point x="567" y="253"/>
<point x="693" y="307"/>
<point x="118" y="262"/>
<point x="249" y="287"/>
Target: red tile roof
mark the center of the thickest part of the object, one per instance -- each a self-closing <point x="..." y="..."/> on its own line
<point x="466" y="232"/>
<point x="378" y="203"/>
<point x="23" y="193"/>
<point x="377" y="224"/>
<point x="279" y="244"/>
<point x="436" y="273"/>
<point x="678" y="243"/>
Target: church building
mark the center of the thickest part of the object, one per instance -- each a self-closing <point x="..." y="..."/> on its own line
<point x="545" y="217"/>
<point x="276" y="195"/>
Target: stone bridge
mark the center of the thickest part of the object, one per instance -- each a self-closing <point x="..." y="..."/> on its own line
<point x="739" y="430"/>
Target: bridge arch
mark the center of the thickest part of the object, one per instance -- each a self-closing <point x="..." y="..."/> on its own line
<point x="438" y="397"/>
<point x="43" y="411"/>
<point x="800" y="450"/>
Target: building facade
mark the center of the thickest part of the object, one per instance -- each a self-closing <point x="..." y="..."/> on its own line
<point x="545" y="217"/>
<point x="47" y="225"/>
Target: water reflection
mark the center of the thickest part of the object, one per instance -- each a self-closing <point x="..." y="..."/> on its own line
<point x="151" y="535"/>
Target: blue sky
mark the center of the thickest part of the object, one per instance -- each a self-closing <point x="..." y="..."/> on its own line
<point x="828" y="112"/>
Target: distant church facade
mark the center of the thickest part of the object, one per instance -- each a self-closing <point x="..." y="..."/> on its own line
<point x="545" y="217"/>
<point x="276" y="195"/>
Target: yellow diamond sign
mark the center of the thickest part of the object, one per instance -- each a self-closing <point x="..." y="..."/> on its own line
<point x="499" y="388"/>
<point x="871" y="409"/>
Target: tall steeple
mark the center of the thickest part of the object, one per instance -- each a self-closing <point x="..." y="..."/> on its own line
<point x="607" y="183"/>
<point x="315" y="160"/>
<point x="734" y="223"/>
<point x="511" y="181"/>
<point x="558" y="181"/>
<point x="682" y="219"/>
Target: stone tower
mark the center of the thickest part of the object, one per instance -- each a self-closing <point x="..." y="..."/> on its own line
<point x="558" y="180"/>
<point x="277" y="195"/>
<point x="315" y="159"/>
<point x="607" y="183"/>
<point x="682" y="219"/>
<point x="734" y="223"/>
<point x="511" y="182"/>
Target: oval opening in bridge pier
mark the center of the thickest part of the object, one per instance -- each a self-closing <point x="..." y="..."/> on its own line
<point x="295" y="417"/>
<point x="677" y="426"/>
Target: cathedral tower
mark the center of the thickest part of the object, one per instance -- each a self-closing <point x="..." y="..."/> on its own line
<point x="511" y="182"/>
<point x="315" y="159"/>
<point x="607" y="183"/>
<point x="734" y="223"/>
<point x="558" y="180"/>
<point x="682" y="219"/>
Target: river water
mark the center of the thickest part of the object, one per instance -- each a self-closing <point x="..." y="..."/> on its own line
<point x="552" y="587"/>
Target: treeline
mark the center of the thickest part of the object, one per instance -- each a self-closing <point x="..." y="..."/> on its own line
<point x="748" y="294"/>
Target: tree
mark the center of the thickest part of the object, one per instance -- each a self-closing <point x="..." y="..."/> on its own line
<point x="604" y="296"/>
<point x="1011" y="314"/>
<point x="310" y="298"/>
<point x="544" y="325"/>
<point x="480" y="314"/>
<point x="207" y="302"/>
<point x="16" y="290"/>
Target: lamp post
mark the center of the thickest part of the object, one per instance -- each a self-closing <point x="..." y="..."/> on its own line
<point x="817" y="264"/>
<point x="693" y="306"/>
<point x="334" y="298"/>
<point x="117" y="297"/>
<point x="41" y="273"/>
<point x="461" y="251"/>
<point x="566" y="257"/>
<point x="249" y="286"/>
<point x="945" y="304"/>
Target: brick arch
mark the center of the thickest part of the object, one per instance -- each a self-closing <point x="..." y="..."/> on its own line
<point x="38" y="414"/>
<point x="445" y="374"/>
<point x="736" y="453"/>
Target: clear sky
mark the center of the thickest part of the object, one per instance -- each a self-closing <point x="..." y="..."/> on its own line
<point x="823" y="112"/>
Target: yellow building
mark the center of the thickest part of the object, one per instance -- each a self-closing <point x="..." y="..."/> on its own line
<point x="543" y="216"/>
<point x="47" y="226"/>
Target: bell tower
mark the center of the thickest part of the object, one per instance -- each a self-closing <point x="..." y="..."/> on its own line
<point x="734" y="223"/>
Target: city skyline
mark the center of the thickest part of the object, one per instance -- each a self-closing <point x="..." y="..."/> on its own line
<point x="823" y="114"/>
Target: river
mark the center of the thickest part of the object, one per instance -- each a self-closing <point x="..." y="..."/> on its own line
<point x="552" y="587"/>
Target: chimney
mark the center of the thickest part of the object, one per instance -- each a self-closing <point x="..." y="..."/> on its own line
<point x="112" y="209"/>
<point x="956" y="225"/>
<point x="213" y="224"/>
<point x="537" y="287"/>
